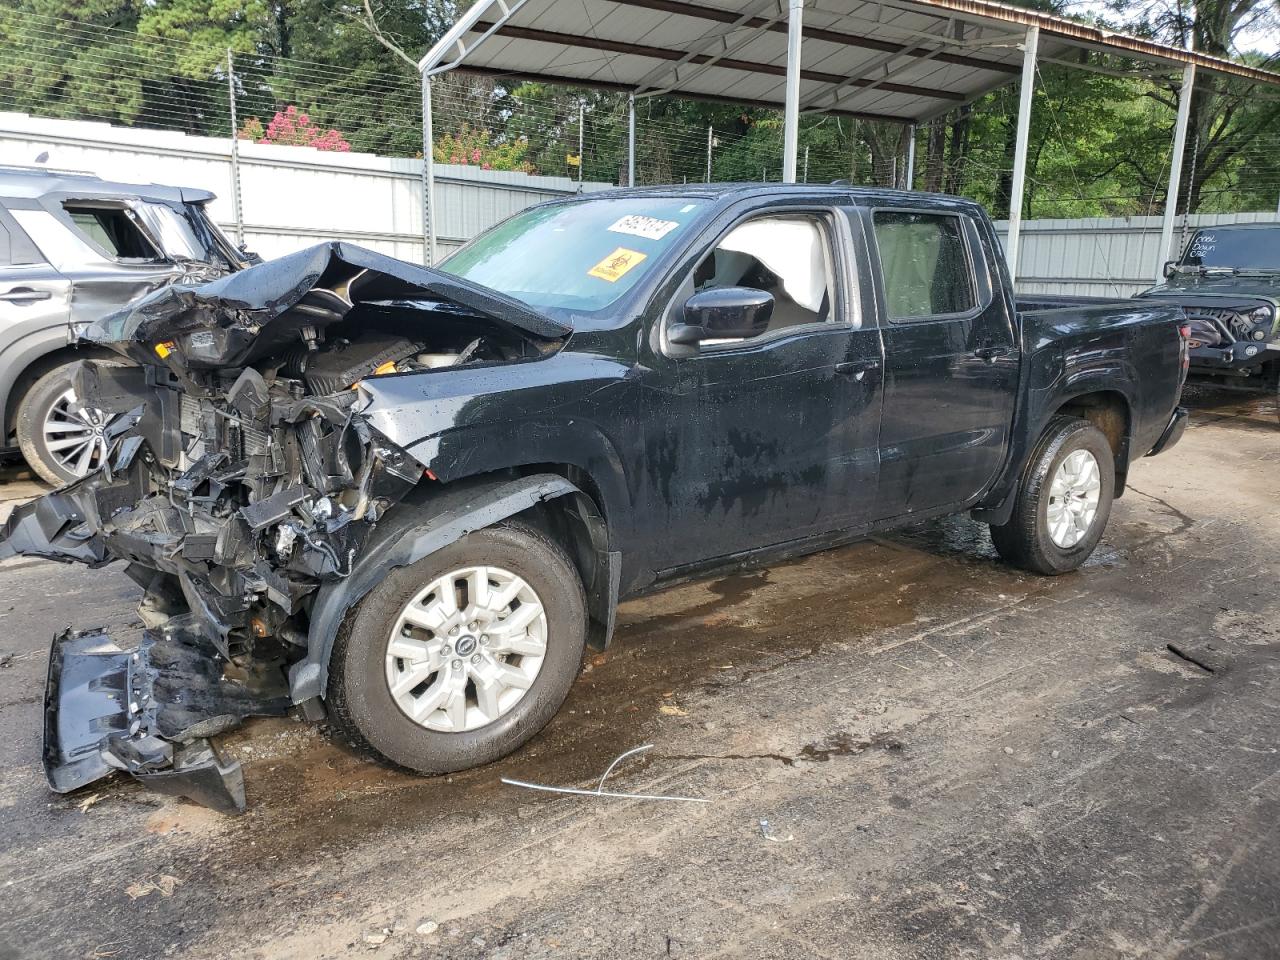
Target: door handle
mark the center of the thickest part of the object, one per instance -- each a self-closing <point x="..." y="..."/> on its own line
<point x="25" y="295"/>
<point x="991" y="352"/>
<point x="857" y="367"/>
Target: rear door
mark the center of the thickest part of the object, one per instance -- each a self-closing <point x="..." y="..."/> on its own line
<point x="951" y="361"/>
<point x="761" y="441"/>
<point x="34" y="299"/>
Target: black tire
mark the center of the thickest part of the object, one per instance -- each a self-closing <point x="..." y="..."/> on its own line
<point x="360" y="706"/>
<point x="1025" y="540"/>
<point x="33" y="409"/>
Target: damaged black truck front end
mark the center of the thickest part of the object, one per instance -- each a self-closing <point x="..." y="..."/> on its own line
<point x="246" y="473"/>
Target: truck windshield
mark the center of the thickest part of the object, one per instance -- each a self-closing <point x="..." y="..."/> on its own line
<point x="581" y="255"/>
<point x="1255" y="248"/>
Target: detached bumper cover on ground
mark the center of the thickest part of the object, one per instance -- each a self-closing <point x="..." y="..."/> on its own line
<point x="245" y="472"/>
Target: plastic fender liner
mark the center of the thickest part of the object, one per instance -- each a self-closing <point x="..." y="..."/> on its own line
<point x="148" y="712"/>
<point x="408" y="535"/>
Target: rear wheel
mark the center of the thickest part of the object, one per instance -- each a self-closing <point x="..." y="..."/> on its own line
<point x="458" y="659"/>
<point x="59" y="440"/>
<point x="1064" y="500"/>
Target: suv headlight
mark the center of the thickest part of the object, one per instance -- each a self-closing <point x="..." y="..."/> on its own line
<point x="1260" y="318"/>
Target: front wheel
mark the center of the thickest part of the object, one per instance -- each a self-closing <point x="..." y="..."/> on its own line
<point x="458" y="659"/>
<point x="60" y="440"/>
<point x="1063" y="502"/>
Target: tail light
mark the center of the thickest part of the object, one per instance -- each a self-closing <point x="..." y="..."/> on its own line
<point x="1184" y="348"/>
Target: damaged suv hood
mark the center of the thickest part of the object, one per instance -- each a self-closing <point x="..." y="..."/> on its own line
<point x="247" y="316"/>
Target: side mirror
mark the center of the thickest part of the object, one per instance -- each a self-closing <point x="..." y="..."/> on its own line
<point x="1170" y="268"/>
<point x="723" y="313"/>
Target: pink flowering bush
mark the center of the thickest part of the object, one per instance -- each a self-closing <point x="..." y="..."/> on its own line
<point x="475" y="147"/>
<point x="292" y="128"/>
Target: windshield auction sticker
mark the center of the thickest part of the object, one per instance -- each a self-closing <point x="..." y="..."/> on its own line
<point x="651" y="228"/>
<point x="615" y="266"/>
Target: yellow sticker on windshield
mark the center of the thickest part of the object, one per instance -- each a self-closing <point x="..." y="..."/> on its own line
<point x="615" y="265"/>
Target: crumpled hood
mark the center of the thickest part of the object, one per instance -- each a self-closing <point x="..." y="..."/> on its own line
<point x="245" y="316"/>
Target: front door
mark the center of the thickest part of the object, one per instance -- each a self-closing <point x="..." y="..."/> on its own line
<point x="774" y="438"/>
<point x="951" y="361"/>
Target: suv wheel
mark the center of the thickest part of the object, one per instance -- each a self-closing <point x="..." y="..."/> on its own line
<point x="1064" y="500"/>
<point x="458" y="659"/>
<point x="60" y="441"/>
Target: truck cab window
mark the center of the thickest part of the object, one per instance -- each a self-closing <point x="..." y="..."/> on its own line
<point x="112" y="229"/>
<point x="788" y="257"/>
<point x="924" y="264"/>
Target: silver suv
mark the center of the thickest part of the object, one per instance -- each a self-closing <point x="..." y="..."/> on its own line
<point x="74" y="247"/>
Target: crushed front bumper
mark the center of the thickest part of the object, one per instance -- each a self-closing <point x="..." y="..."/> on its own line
<point x="149" y="712"/>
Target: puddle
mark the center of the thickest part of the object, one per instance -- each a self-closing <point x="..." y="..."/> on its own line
<point x="309" y="796"/>
<point x="846" y="745"/>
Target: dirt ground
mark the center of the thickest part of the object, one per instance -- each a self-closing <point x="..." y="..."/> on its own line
<point x="911" y="751"/>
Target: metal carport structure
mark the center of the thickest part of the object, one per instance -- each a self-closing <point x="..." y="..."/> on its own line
<point x="903" y="61"/>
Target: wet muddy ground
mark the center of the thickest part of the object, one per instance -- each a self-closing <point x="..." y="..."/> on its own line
<point x="950" y="758"/>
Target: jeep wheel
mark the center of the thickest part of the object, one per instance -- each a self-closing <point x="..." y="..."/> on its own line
<point x="60" y="441"/>
<point x="458" y="659"/>
<point x="1064" y="500"/>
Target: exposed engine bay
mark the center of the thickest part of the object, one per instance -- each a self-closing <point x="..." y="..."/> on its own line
<point x="244" y="473"/>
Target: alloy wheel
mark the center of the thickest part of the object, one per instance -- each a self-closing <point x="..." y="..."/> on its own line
<point x="466" y="649"/>
<point x="1073" y="498"/>
<point x="74" y="436"/>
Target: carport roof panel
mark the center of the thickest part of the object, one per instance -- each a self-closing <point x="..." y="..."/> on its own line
<point x="898" y="59"/>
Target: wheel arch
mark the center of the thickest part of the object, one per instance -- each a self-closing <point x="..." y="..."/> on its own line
<point x="433" y="517"/>
<point x="1112" y="413"/>
<point x="36" y="366"/>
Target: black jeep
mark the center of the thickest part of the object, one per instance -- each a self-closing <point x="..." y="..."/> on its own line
<point x="1228" y="281"/>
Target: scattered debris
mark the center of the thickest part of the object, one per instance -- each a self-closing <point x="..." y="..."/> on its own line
<point x="162" y="884"/>
<point x="377" y="938"/>
<point x="427" y="928"/>
<point x="600" y="791"/>
<point x="1009" y="751"/>
<point x="767" y="832"/>
<point x="88" y="802"/>
<point x="671" y="710"/>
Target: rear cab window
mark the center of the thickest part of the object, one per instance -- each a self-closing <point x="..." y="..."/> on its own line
<point x="925" y="263"/>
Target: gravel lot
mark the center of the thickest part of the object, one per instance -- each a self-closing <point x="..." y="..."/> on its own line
<point x="954" y="759"/>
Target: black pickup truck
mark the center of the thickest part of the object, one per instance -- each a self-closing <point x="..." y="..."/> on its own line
<point x="406" y="498"/>
<point x="1228" y="282"/>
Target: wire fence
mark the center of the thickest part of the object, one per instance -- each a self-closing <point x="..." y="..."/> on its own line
<point x="66" y="69"/>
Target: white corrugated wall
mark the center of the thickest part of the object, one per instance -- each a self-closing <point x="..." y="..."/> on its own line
<point x="291" y="197"/>
<point x="295" y="196"/>
<point x="1103" y="256"/>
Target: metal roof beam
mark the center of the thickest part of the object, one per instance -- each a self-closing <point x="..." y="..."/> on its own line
<point x="661" y="53"/>
<point x="1079" y="34"/>
<point x="430" y="64"/>
<point x="697" y="11"/>
<point x="498" y="74"/>
<point x="649" y="84"/>
<point x="836" y="91"/>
